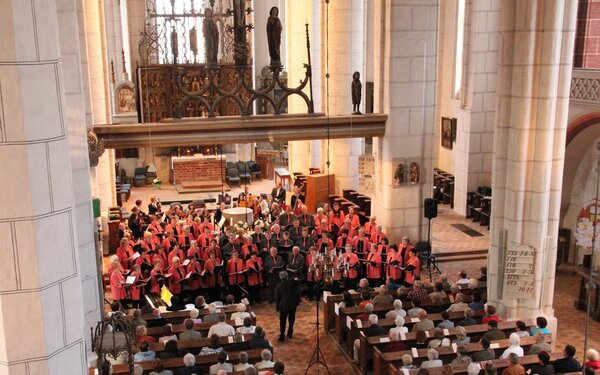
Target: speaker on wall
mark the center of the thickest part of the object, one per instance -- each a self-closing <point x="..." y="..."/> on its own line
<point x="430" y="208"/>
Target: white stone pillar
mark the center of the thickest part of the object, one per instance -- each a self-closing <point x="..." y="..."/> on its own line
<point x="40" y="270"/>
<point x="534" y="78"/>
<point x="405" y="56"/>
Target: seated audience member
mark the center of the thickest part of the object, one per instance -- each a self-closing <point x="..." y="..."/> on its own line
<point x="462" y="356"/>
<point x="415" y="310"/>
<point x="194" y="313"/>
<point x="189" y="333"/>
<point x="400" y="328"/>
<point x="373" y="329"/>
<point x="266" y="362"/>
<point x="540" y="344"/>
<point x="258" y="341"/>
<point x="424" y="324"/>
<point x="392" y="285"/>
<point x="383" y="297"/>
<point x="468" y="320"/>
<point x="490" y="314"/>
<point x="221" y="365"/>
<point x="159" y="368"/>
<point x="493" y="332"/>
<point x="213" y="348"/>
<point x="368" y="310"/>
<point x="462" y="278"/>
<point x="365" y="299"/>
<point x="541" y="326"/>
<point x="145" y="354"/>
<point x="476" y="302"/>
<point x="438" y="339"/>
<point x="461" y="336"/>
<point x="433" y="361"/>
<point x="522" y="329"/>
<point x="221" y="328"/>
<point x="167" y="334"/>
<point x="473" y="368"/>
<point x="247" y="327"/>
<point x="514" y="368"/>
<point x="212" y="315"/>
<point x="363" y="286"/>
<point x="489" y="369"/>
<point x="170" y="351"/>
<point x="459" y="304"/>
<point x="157" y="320"/>
<point x="395" y="345"/>
<point x="439" y="292"/>
<point x="240" y="313"/>
<point x="190" y="366"/>
<point x="238" y="343"/>
<point x="142" y="335"/>
<point x="418" y="292"/>
<point x="592" y="359"/>
<point x="446" y="322"/>
<point x="482" y="280"/>
<point x="278" y="368"/>
<point x="485" y="354"/>
<point x="437" y="305"/>
<point x="545" y="367"/>
<point x="138" y="370"/>
<point x="515" y="346"/>
<point x="568" y="363"/>
<point x="348" y="300"/>
<point x="397" y="311"/>
<point x="243" y="365"/>
<point x="407" y="362"/>
<point x="137" y="319"/>
<point x="200" y="303"/>
<point x="250" y="371"/>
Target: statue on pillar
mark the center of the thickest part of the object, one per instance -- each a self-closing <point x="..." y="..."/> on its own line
<point x="274" y="29"/>
<point x="356" y="93"/>
<point x="211" y="37"/>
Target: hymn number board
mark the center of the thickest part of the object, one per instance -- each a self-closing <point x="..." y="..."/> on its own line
<point x="519" y="272"/>
<point x="366" y="173"/>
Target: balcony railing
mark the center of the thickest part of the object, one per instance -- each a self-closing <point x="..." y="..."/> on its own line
<point x="585" y="87"/>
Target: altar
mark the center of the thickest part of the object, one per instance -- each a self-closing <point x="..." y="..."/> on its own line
<point x="198" y="173"/>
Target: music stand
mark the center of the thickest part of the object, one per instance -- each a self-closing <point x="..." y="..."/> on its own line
<point x="317" y="358"/>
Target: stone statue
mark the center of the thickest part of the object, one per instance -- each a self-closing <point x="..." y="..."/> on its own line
<point x="174" y="45"/>
<point x="356" y="93"/>
<point x="414" y="173"/>
<point x="274" y="29"/>
<point x="399" y="175"/>
<point x="211" y="37"/>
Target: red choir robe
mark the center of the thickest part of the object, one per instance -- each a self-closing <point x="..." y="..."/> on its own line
<point x="232" y="269"/>
<point x="354" y="221"/>
<point x="312" y="273"/>
<point x="124" y="252"/>
<point x="393" y="272"/>
<point x="318" y="223"/>
<point x="255" y="274"/>
<point x="156" y="230"/>
<point x="186" y="240"/>
<point x="176" y="253"/>
<point x="144" y="258"/>
<point x="204" y="224"/>
<point x="195" y="281"/>
<point x="373" y="271"/>
<point x="116" y="288"/>
<point x="176" y="229"/>
<point x="194" y="252"/>
<point x="150" y="245"/>
<point x="364" y="248"/>
<point x="155" y="284"/>
<point x="376" y="237"/>
<point x="204" y="240"/>
<point x="321" y="244"/>
<point x="216" y="250"/>
<point x="168" y="243"/>
<point x="212" y="278"/>
<point x="410" y="275"/>
<point x="337" y="219"/>
<point x="370" y="229"/>
<point x="341" y="243"/>
<point x="134" y="290"/>
<point x="405" y="252"/>
<point x="163" y="257"/>
<point x="177" y="274"/>
<point x="248" y="249"/>
<point x="352" y="260"/>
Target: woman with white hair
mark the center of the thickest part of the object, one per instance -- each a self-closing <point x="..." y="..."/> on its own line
<point x="240" y="313"/>
<point x="177" y="273"/>
<point x="138" y="369"/>
<point x="433" y="361"/>
<point x="515" y="342"/>
<point x="243" y="365"/>
<point x="266" y="362"/>
<point x="189" y="360"/>
<point x="194" y="313"/>
<point x="397" y="311"/>
<point x="399" y="325"/>
<point x="592" y="359"/>
<point x="461" y="336"/>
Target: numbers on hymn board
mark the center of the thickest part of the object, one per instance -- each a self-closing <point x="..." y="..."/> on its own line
<point x="519" y="272"/>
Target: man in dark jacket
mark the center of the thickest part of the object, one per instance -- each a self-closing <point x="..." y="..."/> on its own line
<point x="287" y="297"/>
<point x="567" y="364"/>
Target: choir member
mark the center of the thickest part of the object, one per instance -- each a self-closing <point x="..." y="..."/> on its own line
<point x="176" y="252"/>
<point x="313" y="274"/>
<point x="297" y="200"/>
<point x="361" y="244"/>
<point x="148" y="243"/>
<point x="194" y="252"/>
<point x="273" y="265"/>
<point x="306" y="220"/>
<point x="195" y="278"/>
<point x="212" y="248"/>
<point x="174" y="225"/>
<point x="161" y="256"/>
<point x="325" y="243"/>
<point x="337" y="218"/>
<point x="353" y="217"/>
<point x="170" y="241"/>
<point x="259" y="238"/>
<point x="156" y="229"/>
<point x="295" y="263"/>
<point x="287" y="218"/>
<point x="186" y="238"/>
<point x="394" y="262"/>
<point x="116" y="282"/>
<point x="373" y="266"/>
<point x="235" y="272"/>
<point x="230" y="247"/>
<point x="304" y="242"/>
<point x="370" y="226"/>
<point x="254" y="265"/>
<point x="135" y="290"/>
<point x="378" y="235"/>
<point x="413" y="267"/>
<point x="404" y="249"/>
<point x="212" y="275"/>
<point x="285" y="241"/>
<point x="295" y="231"/>
<point x="125" y="253"/>
<point x="156" y="277"/>
<point x="342" y="240"/>
<point x="175" y="275"/>
<point x="352" y="263"/>
<point x="248" y="248"/>
<point x="206" y="224"/>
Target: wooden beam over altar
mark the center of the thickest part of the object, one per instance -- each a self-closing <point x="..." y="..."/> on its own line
<point x="225" y="130"/>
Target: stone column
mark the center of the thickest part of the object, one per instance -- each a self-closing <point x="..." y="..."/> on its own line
<point x="41" y="303"/>
<point x="405" y="70"/>
<point x="534" y="78"/>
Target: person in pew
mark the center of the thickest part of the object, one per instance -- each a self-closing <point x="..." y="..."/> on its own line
<point x="397" y="311"/>
<point x="415" y="310"/>
<point x="438" y="291"/>
<point x="368" y="310"/>
<point x="189" y="333"/>
<point x="142" y="335"/>
<point x="258" y="341"/>
<point x="250" y="371"/>
<point x="240" y="313"/>
<point x="247" y="327"/>
<point x="212" y="315"/>
<point x="399" y="321"/>
<point x="170" y="351"/>
<point x="167" y="334"/>
<point x="476" y="302"/>
<point x="138" y="369"/>
<point x="490" y="314"/>
<point x="159" y="368"/>
<point x="462" y="356"/>
<point x="521" y="329"/>
<point x="243" y="365"/>
<point x="540" y="344"/>
<point x="446" y="322"/>
<point x="407" y="362"/>
<point x="194" y="313"/>
<point x="514" y="368"/>
<point x="200" y="303"/>
<point x="395" y="345"/>
<point x="515" y="346"/>
<point x="592" y="359"/>
<point x="190" y="366"/>
<point x="468" y="320"/>
<point x="418" y="292"/>
<point x="541" y="323"/>
<point x="278" y="369"/>
<point x="392" y="285"/>
<point x="176" y="304"/>
<point x="493" y="332"/>
<point x="545" y="367"/>
<point x="106" y="368"/>
<point x="437" y="305"/>
<point x="348" y="300"/>
<point x="137" y="319"/>
<point x="568" y="363"/>
<point x="424" y="324"/>
<point x="373" y="329"/>
<point x="485" y="354"/>
<point x="221" y="328"/>
<point x="461" y="336"/>
<point x="238" y="343"/>
<point x="266" y="362"/>
<point x="432" y="360"/>
<point x="420" y="340"/>
<point x="145" y="354"/>
<point x="221" y="365"/>
<point x="213" y="348"/>
<point x="365" y="298"/>
<point x="363" y="286"/>
<point x="438" y="339"/>
<point x="157" y="320"/>
<point x="459" y="304"/>
<point x="462" y="278"/>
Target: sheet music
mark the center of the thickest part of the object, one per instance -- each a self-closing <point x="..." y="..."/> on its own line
<point x="130" y="280"/>
<point x="135" y="256"/>
<point x="185" y="262"/>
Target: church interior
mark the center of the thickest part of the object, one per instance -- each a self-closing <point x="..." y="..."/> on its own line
<point x="300" y="187"/>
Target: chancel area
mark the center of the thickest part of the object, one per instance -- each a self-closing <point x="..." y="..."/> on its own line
<point x="299" y="187"/>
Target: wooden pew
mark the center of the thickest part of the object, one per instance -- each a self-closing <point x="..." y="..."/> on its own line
<point x="180" y="316"/>
<point x="201" y="327"/>
<point x="195" y="344"/>
<point x="475" y="332"/>
<point x="527" y="361"/>
<point x="381" y="360"/>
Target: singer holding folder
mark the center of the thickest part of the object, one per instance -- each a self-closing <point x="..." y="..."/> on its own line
<point x="235" y="270"/>
<point x="254" y="265"/>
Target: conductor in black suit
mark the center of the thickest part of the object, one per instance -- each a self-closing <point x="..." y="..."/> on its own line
<point x="278" y="194"/>
<point x="287" y="298"/>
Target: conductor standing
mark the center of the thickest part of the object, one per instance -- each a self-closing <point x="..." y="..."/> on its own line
<point x="287" y="298"/>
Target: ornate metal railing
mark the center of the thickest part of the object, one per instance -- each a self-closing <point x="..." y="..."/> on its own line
<point x="585" y="86"/>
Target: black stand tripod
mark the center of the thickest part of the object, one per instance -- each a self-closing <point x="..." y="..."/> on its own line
<point x="317" y="359"/>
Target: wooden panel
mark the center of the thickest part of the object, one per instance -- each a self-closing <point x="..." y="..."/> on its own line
<point x="317" y="190"/>
<point x="266" y="163"/>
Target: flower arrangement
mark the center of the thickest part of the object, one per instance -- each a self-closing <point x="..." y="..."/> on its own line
<point x="263" y="225"/>
<point x="240" y="226"/>
<point x="157" y="182"/>
<point x="584" y="232"/>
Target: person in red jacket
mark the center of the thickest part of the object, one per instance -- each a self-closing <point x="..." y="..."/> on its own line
<point x="125" y="253"/>
<point x="254" y="265"/>
<point x="169" y="242"/>
<point x="235" y="274"/>
<point x="212" y="276"/>
<point x="205" y="237"/>
<point x="377" y="235"/>
<point x="195" y="279"/>
<point x="413" y="267"/>
<point x="116" y="282"/>
<point x="156" y="277"/>
<point x="352" y="264"/>
<point x="373" y="266"/>
<point x="175" y="252"/>
<point x="394" y="262"/>
<point x="353" y="217"/>
<point x="175" y="275"/>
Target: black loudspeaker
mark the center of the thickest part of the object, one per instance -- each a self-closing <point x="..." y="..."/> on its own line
<point x="430" y="208"/>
